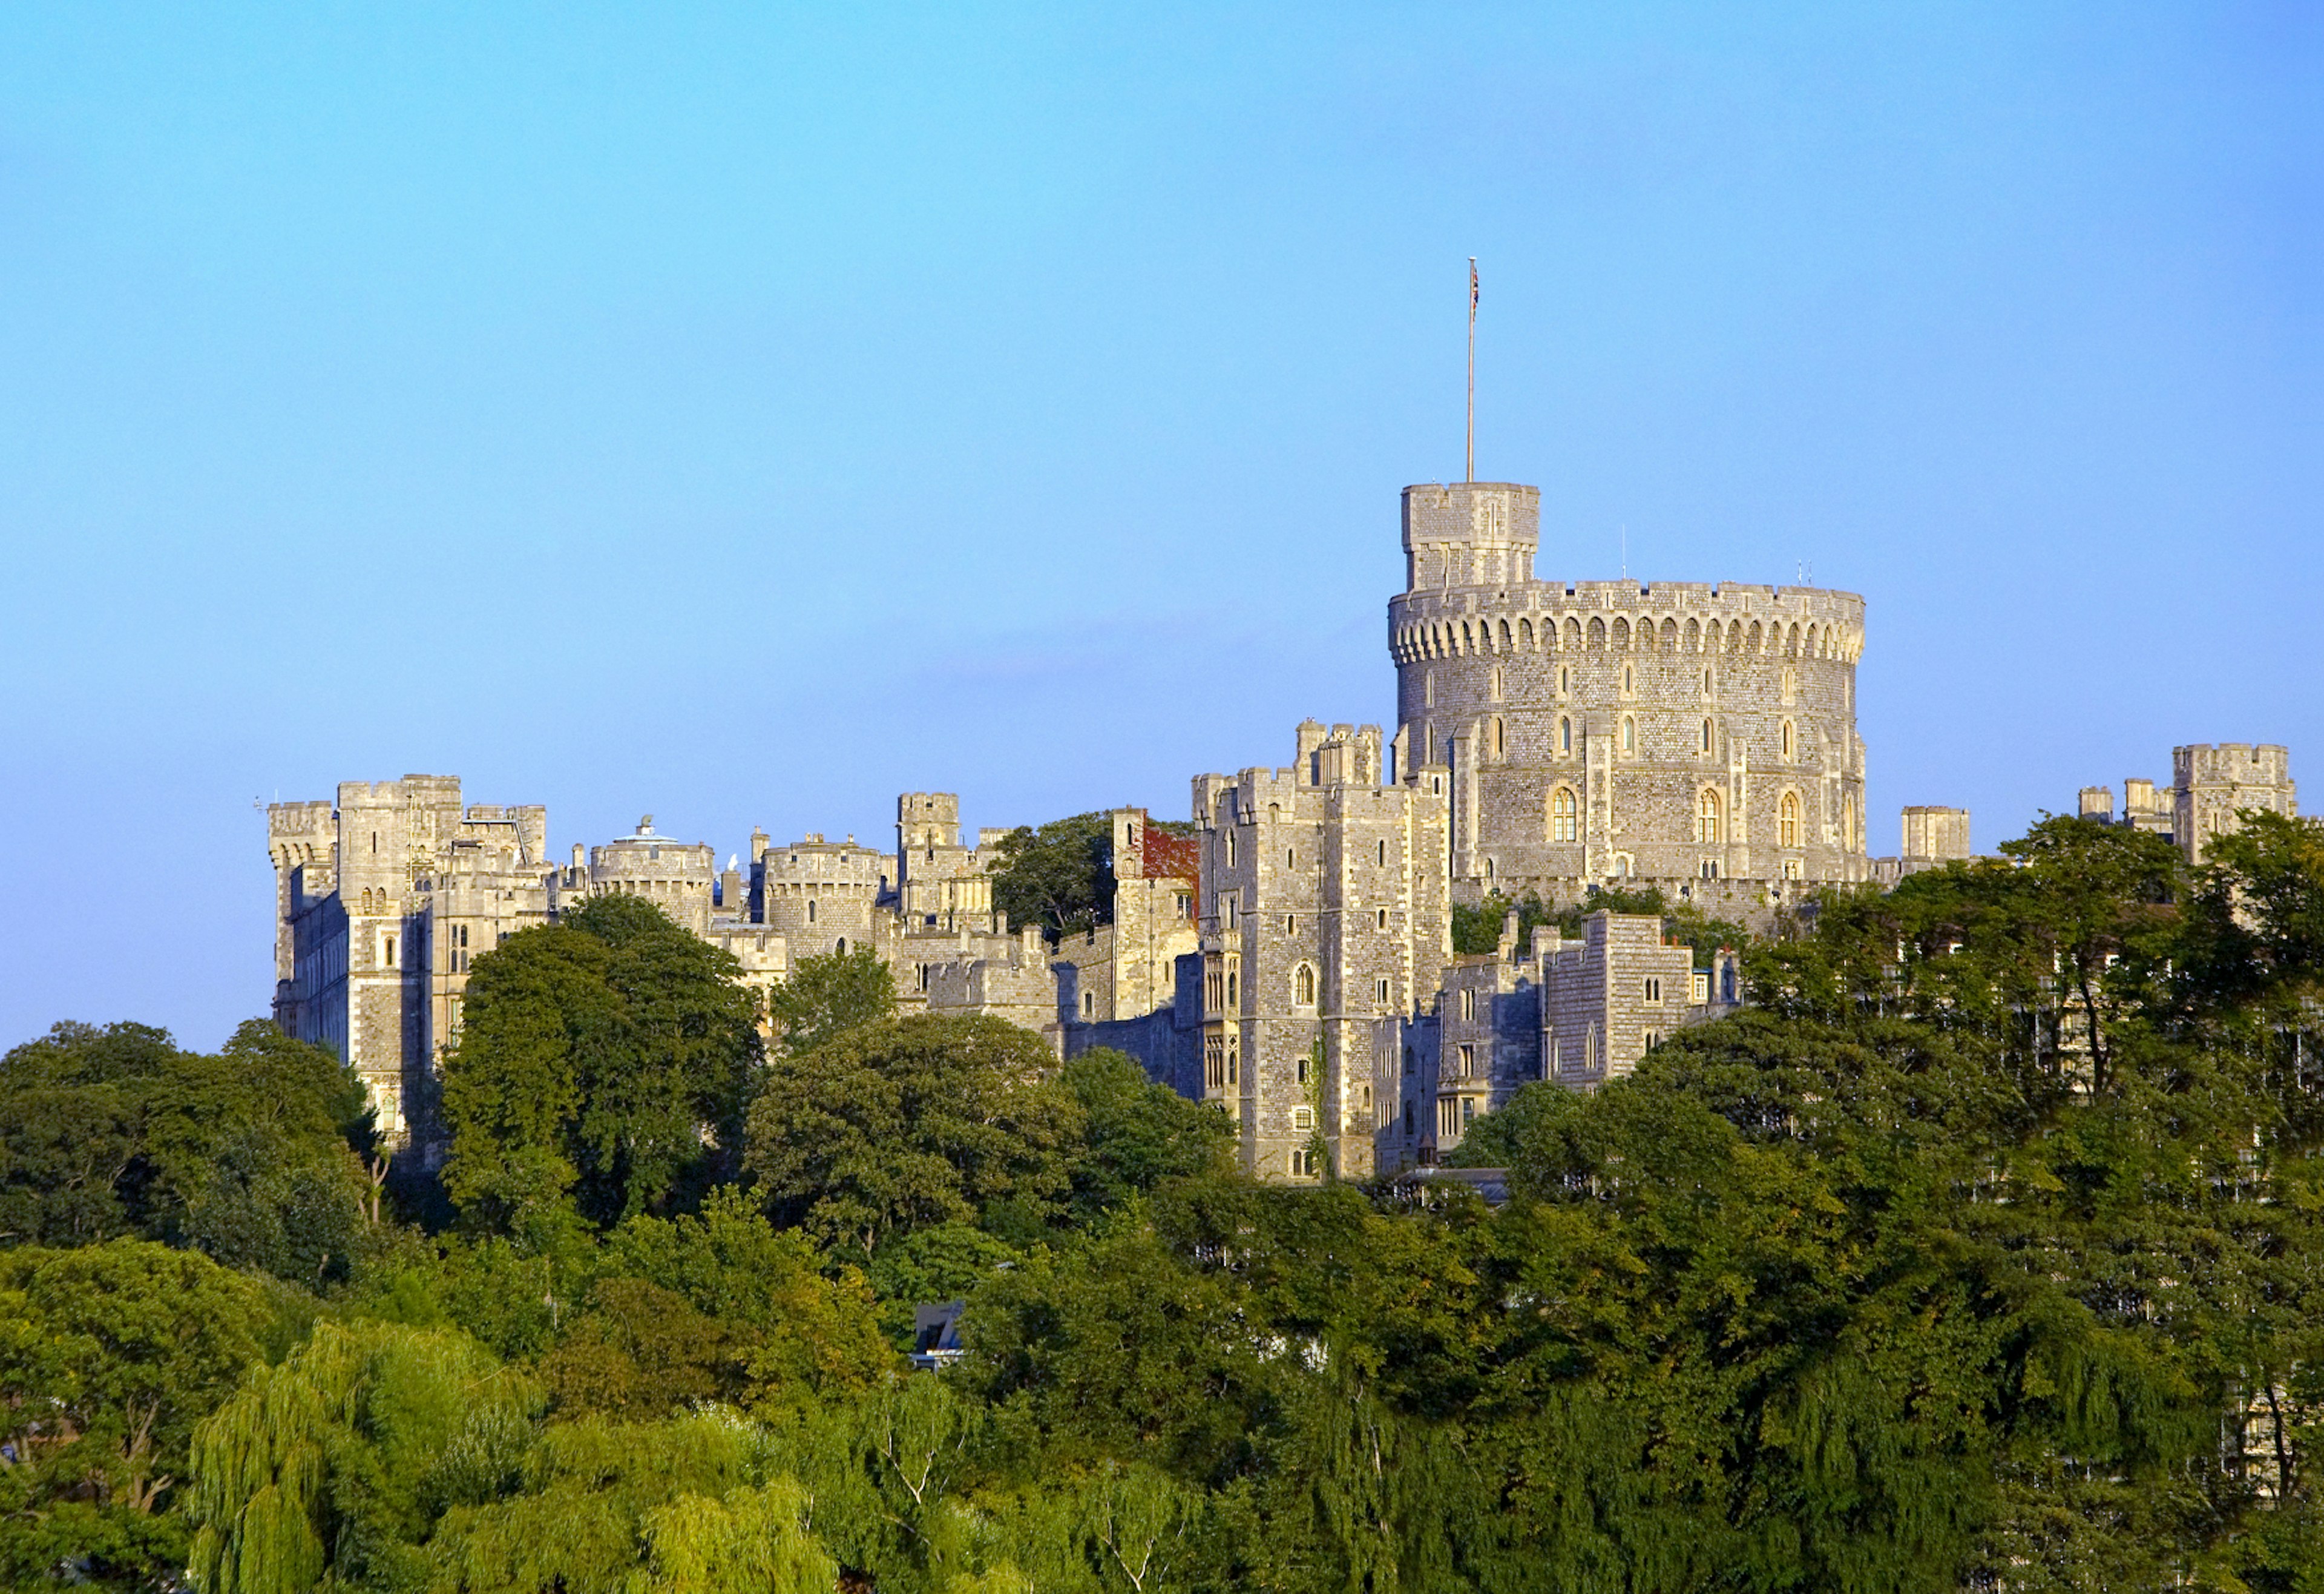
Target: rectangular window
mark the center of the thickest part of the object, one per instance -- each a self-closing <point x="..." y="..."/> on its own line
<point x="1467" y="1110"/>
<point x="1468" y="1062"/>
<point x="1654" y="989"/>
<point x="390" y="951"/>
<point x="1383" y="993"/>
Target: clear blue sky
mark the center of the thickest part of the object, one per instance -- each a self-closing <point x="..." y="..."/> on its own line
<point x="747" y="413"/>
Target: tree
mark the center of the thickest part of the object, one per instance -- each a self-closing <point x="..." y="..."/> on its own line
<point x="250" y="1155"/>
<point x="917" y="1121"/>
<point x="109" y="1356"/>
<point x="607" y="1057"/>
<point x="825" y="997"/>
<point x="341" y="1461"/>
<point x="727" y="1292"/>
<point x="1139" y="1133"/>
<point x="1060" y="875"/>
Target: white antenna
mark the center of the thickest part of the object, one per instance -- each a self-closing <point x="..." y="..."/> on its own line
<point x="1626" y="550"/>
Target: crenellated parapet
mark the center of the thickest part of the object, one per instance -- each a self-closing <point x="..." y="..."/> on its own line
<point x="1727" y="619"/>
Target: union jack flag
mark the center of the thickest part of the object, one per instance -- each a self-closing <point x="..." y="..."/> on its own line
<point x="1472" y="285"/>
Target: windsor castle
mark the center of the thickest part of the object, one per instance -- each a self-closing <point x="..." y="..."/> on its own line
<point x="1291" y="961"/>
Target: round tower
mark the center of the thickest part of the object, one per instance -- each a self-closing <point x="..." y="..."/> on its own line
<point x="1699" y="736"/>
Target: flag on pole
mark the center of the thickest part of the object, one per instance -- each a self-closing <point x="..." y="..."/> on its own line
<point x="1472" y="285"/>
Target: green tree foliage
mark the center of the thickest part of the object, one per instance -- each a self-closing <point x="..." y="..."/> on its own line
<point x="248" y="1155"/>
<point x="722" y="1306"/>
<point x="605" y="1058"/>
<point x="1139" y="1133"/>
<point x="109" y="1355"/>
<point x="917" y="1121"/>
<point x="341" y="1460"/>
<point x="1059" y="875"/>
<point x="827" y="995"/>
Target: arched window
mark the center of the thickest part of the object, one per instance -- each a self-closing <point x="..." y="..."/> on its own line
<point x="1497" y="683"/>
<point x="1629" y="733"/>
<point x="1787" y="820"/>
<point x="1790" y="741"/>
<point x="1564" y="815"/>
<point x="1565" y="735"/>
<point x="1500" y="740"/>
<point x="1706" y="738"/>
<point x="1302" y="987"/>
<point x="840" y="946"/>
<point x="1707" y="827"/>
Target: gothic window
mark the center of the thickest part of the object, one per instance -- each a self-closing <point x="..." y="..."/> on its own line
<point x="1707" y="816"/>
<point x="1787" y="820"/>
<point x="1232" y="998"/>
<point x="810" y="910"/>
<point x="839" y="947"/>
<point x="1302" y="987"/>
<point x="1428" y="689"/>
<point x="1623" y="865"/>
<point x="1565" y="735"/>
<point x="1629" y="733"/>
<point x="1564" y="815"/>
<point x="1654" y="989"/>
<point x="1791" y="739"/>
<point x="1706" y="738"/>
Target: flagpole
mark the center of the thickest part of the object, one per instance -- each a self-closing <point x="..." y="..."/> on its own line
<point x="1471" y="466"/>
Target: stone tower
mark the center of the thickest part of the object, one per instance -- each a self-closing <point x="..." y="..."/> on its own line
<point x="1697" y="736"/>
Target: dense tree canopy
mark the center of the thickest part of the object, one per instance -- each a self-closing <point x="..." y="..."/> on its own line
<point x="608" y="1055"/>
<point x="917" y="1121"/>
<point x="249" y="1156"/>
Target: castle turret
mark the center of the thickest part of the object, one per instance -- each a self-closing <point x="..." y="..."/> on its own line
<point x="1473" y="533"/>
